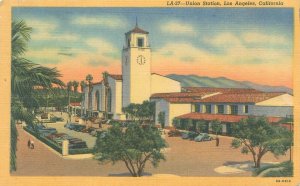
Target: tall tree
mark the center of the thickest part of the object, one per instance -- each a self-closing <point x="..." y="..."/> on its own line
<point x="26" y="77"/>
<point x="201" y="126"/>
<point x="89" y="78"/>
<point x="140" y="112"/>
<point x="82" y="86"/>
<point x="216" y="127"/>
<point x="257" y="136"/>
<point x="75" y="86"/>
<point x="69" y="89"/>
<point x="135" y="147"/>
<point x="161" y="119"/>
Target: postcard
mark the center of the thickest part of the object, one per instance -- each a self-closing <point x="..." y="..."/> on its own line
<point x="149" y="93"/>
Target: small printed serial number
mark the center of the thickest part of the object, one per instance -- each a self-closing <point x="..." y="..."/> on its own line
<point x="283" y="181"/>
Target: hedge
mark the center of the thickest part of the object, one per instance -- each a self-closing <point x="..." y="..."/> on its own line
<point x="81" y="151"/>
<point x="45" y="140"/>
<point x="56" y="147"/>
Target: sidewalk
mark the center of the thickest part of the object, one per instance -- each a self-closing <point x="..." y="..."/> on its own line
<point x="42" y="161"/>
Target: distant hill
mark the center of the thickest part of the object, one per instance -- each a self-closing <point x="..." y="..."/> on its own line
<point x="223" y="82"/>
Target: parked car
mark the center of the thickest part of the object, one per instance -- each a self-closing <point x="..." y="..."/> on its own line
<point x="203" y="137"/>
<point x="67" y="125"/>
<point x="71" y="126"/>
<point x="47" y="132"/>
<point x="77" y="144"/>
<point x="184" y="135"/>
<point x="42" y="130"/>
<point x="189" y="135"/>
<point x="56" y="119"/>
<point x="88" y="130"/>
<point x="54" y="136"/>
<point x="79" y="128"/>
<point x="174" y="133"/>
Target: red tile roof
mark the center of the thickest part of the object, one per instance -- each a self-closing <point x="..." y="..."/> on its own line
<point x="180" y="94"/>
<point x="223" y="90"/>
<point x="254" y="97"/>
<point x="74" y="104"/>
<point x="221" y="117"/>
<point x="181" y="97"/>
<point x="116" y="77"/>
<point x="137" y="30"/>
<point x="210" y="95"/>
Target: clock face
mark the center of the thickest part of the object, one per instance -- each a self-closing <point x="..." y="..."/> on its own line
<point x="141" y="60"/>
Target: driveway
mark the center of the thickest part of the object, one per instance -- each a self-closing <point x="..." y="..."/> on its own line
<point x="183" y="158"/>
<point x="90" y="140"/>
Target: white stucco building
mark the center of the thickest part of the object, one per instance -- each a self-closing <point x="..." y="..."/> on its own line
<point x="136" y="83"/>
<point x="228" y="105"/>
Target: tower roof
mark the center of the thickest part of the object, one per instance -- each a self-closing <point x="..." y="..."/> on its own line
<point x="136" y="29"/>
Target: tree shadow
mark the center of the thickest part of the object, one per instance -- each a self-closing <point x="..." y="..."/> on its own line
<point x="127" y="174"/>
<point x="245" y="165"/>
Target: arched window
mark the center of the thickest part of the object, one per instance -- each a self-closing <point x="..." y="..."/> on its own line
<point x="109" y="100"/>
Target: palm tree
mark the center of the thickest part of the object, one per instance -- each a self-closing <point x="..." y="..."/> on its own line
<point x="69" y="89"/>
<point x="75" y="86"/>
<point x="26" y="77"/>
<point x="82" y="86"/>
<point x="89" y="78"/>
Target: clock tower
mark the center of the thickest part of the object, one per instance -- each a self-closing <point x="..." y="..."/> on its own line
<point x="136" y="62"/>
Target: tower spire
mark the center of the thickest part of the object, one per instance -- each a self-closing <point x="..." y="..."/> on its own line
<point x="136" y="22"/>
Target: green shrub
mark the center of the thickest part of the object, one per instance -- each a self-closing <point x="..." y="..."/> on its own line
<point x="81" y="151"/>
<point x="48" y="142"/>
<point x="161" y="119"/>
<point x="114" y="122"/>
<point x="285" y="171"/>
<point x="176" y="123"/>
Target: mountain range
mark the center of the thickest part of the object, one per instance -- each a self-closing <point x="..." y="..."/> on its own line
<point x="223" y="82"/>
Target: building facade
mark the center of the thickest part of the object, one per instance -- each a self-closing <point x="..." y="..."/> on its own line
<point x="136" y="83"/>
<point x="223" y="104"/>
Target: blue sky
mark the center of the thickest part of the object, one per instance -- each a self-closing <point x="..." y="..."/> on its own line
<point x="198" y="37"/>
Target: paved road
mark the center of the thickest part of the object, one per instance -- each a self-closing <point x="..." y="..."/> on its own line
<point x="90" y="140"/>
<point x="184" y="158"/>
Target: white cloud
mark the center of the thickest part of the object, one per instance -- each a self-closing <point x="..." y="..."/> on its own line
<point x="44" y="35"/>
<point x="101" y="44"/>
<point x="106" y="21"/>
<point x="235" y="48"/>
<point x="224" y="39"/>
<point x="45" y="30"/>
<point x="39" y="24"/>
<point x="260" y="38"/>
<point x="184" y="52"/>
<point x="45" y="55"/>
<point x="178" y="28"/>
